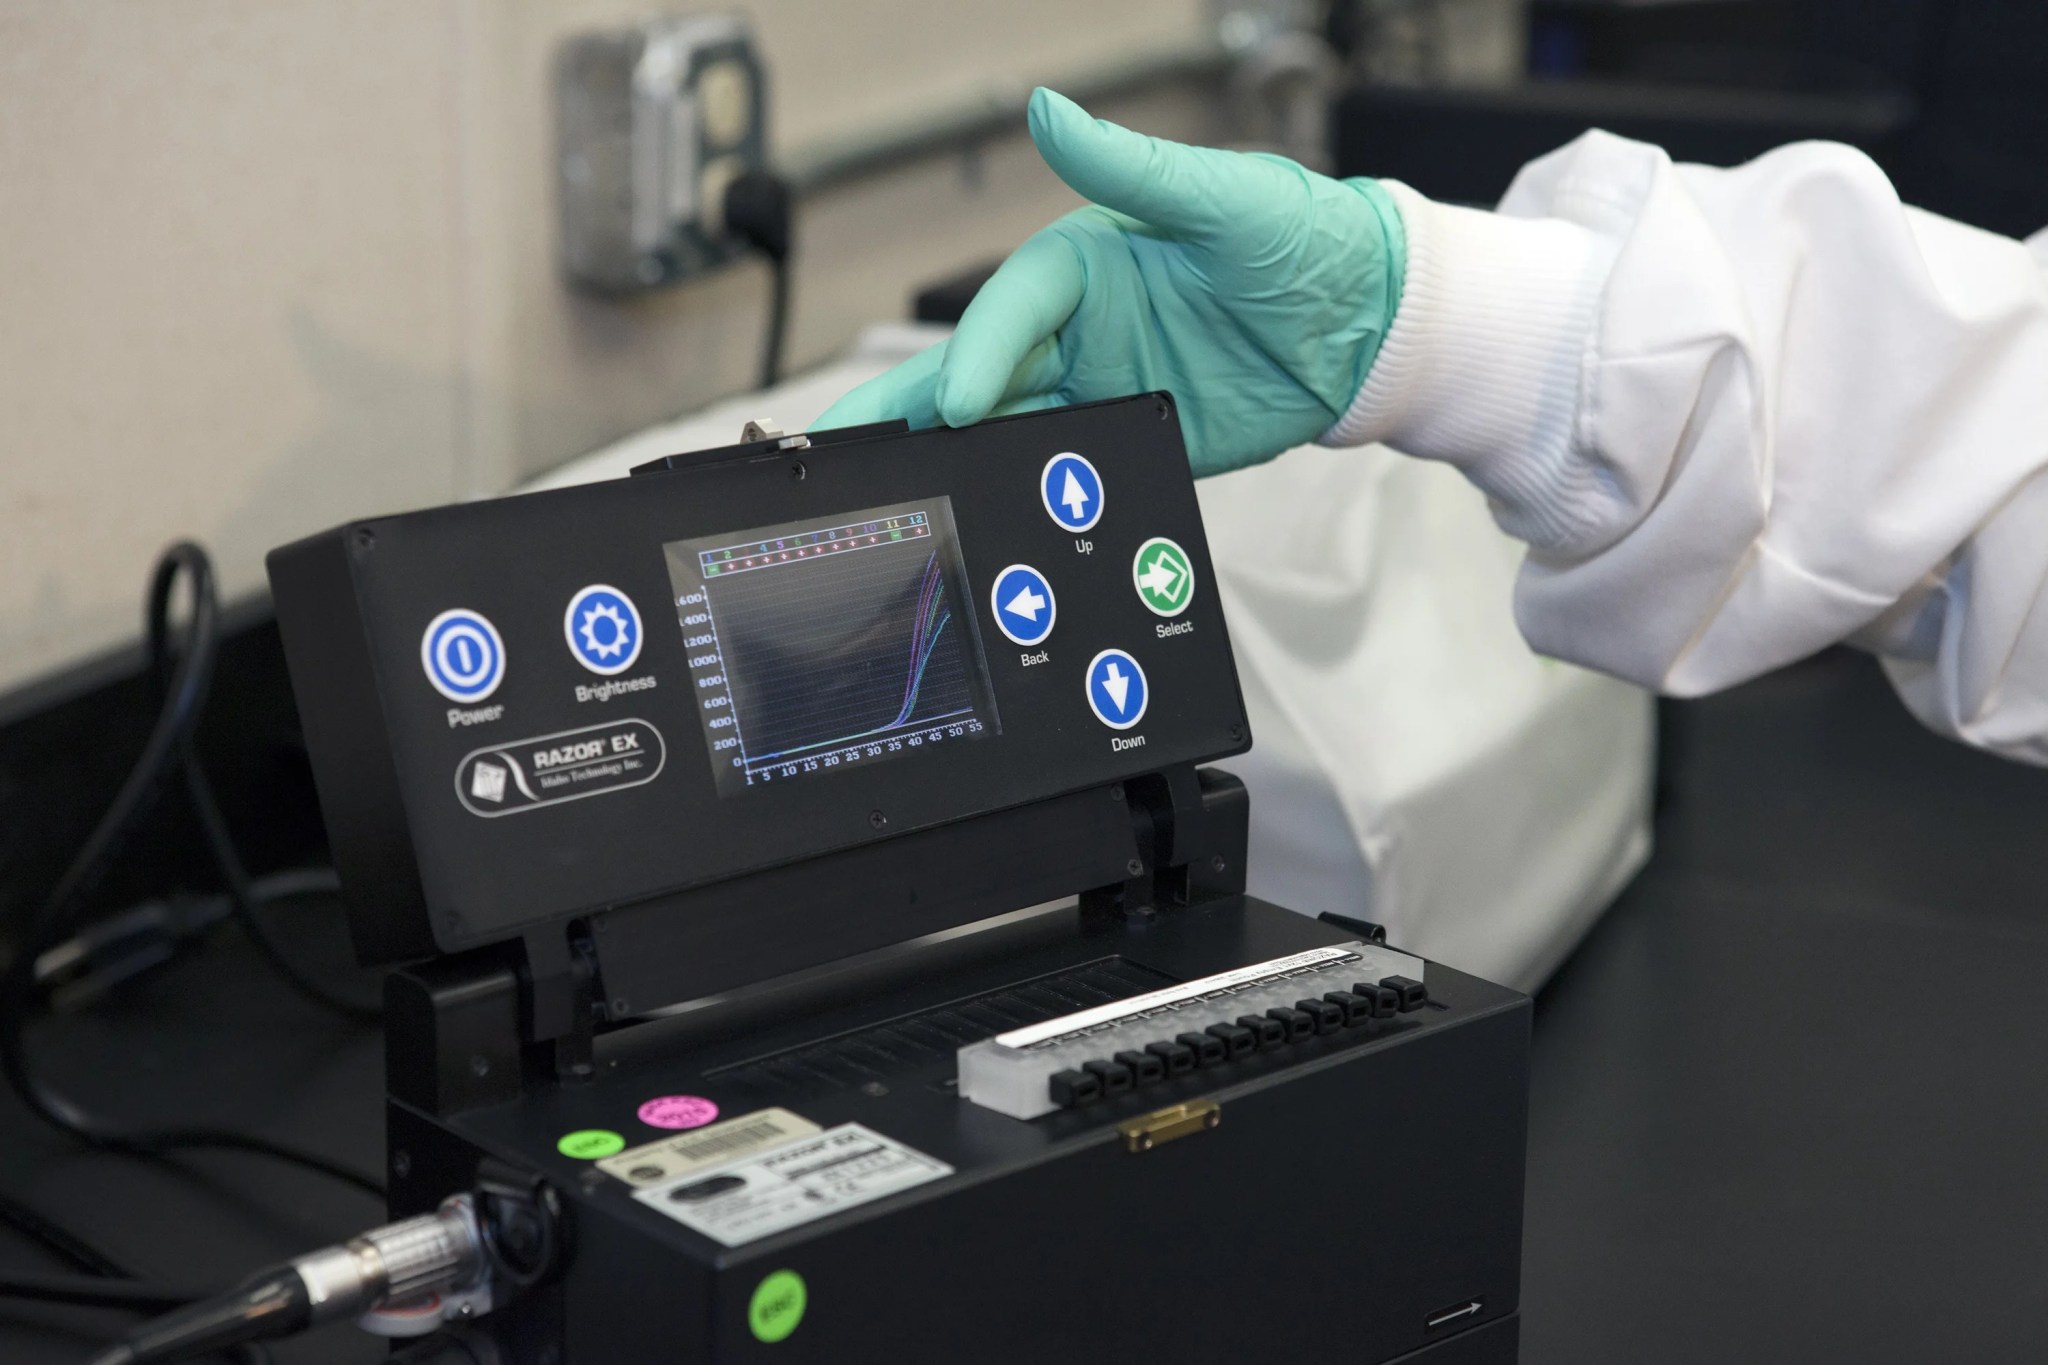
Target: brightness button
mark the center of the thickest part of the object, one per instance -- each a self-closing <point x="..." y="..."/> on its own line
<point x="603" y="629"/>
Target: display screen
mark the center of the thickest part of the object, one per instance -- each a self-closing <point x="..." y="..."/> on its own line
<point x="834" y="643"/>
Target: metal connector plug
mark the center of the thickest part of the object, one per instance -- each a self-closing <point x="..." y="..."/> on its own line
<point x="399" y="1262"/>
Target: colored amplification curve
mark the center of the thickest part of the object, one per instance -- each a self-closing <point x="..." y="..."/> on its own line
<point x="932" y="616"/>
<point x="836" y="645"/>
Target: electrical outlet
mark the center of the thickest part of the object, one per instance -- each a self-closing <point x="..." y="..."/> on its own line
<point x="653" y="123"/>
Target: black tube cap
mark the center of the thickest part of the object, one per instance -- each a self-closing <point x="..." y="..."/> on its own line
<point x="1297" y="1024"/>
<point x="1413" y="994"/>
<point x="1236" y="1041"/>
<point x="1327" y="1016"/>
<point x="1072" y="1089"/>
<point x="1179" y="1057"/>
<point x="1116" y="1078"/>
<point x="1207" y="1047"/>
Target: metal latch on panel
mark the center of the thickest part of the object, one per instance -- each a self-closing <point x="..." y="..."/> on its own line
<point x="1162" y="1126"/>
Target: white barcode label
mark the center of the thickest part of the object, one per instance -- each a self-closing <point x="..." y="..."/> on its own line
<point x="799" y="1182"/>
<point x="686" y="1152"/>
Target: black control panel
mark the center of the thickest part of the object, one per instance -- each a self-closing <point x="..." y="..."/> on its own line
<point x="541" y="706"/>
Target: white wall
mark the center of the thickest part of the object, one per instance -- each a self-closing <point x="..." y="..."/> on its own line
<point x="266" y="266"/>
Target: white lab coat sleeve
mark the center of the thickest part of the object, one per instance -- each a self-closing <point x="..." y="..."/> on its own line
<point x="1739" y="415"/>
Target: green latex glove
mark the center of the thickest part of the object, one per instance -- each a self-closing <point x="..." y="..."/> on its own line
<point x="1255" y="291"/>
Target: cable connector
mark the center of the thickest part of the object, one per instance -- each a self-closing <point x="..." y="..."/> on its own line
<point x="401" y="1279"/>
<point x="401" y="1261"/>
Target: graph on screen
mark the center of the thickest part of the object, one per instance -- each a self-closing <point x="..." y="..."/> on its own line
<point x="817" y="646"/>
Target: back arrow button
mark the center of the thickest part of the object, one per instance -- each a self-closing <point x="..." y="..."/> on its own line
<point x="1022" y="602"/>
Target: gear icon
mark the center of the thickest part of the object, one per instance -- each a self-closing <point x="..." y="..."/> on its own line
<point x="602" y="648"/>
<point x="602" y="628"/>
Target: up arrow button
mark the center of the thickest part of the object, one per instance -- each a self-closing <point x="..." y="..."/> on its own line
<point x="1164" y="577"/>
<point x="1071" y="489"/>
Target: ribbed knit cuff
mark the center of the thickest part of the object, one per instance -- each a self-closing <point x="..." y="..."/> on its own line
<point x="1483" y="365"/>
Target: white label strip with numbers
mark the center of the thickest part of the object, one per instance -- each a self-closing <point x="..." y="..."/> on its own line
<point x="1172" y="997"/>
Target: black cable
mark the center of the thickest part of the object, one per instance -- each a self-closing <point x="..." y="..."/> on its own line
<point x="93" y="1292"/>
<point x="779" y="271"/>
<point x="760" y="211"/>
<point x="58" y="1239"/>
<point x="242" y="894"/>
<point x="116" y="949"/>
<point x="270" y="1305"/>
<point x="184" y="672"/>
<point x="96" y="1291"/>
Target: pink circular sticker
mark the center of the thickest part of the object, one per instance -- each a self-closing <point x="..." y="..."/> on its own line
<point x="678" y="1111"/>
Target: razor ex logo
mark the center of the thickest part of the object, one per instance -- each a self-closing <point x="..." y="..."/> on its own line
<point x="547" y="770"/>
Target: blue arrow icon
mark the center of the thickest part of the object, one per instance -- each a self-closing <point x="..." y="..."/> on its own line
<point x="1071" y="491"/>
<point x="1023" y="604"/>
<point x="1117" y="691"/>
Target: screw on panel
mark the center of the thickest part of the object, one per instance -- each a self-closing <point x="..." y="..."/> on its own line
<point x="401" y="1163"/>
<point x="877" y="819"/>
<point x="479" y="1065"/>
<point x="619" y="1005"/>
<point x="1135" y="867"/>
<point x="1216" y="864"/>
<point x="1116" y="793"/>
<point x="797" y="470"/>
<point x="1164" y="407"/>
<point x="366" y="540"/>
<point x="1237" y="732"/>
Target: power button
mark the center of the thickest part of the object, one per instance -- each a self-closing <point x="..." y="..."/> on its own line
<point x="463" y="655"/>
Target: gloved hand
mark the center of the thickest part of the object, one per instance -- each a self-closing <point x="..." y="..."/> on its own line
<point x="1255" y="291"/>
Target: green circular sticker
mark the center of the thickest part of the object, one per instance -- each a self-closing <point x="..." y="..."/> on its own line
<point x="777" y="1306"/>
<point x="591" y="1144"/>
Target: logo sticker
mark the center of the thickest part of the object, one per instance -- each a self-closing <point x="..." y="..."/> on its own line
<point x="549" y="769"/>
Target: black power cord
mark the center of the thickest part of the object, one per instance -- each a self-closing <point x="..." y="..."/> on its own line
<point x="96" y="1291"/>
<point x="58" y="1239"/>
<point x="106" y="1283"/>
<point x="183" y="668"/>
<point x="113" y="951"/>
<point x="760" y="211"/>
<point x="243" y="896"/>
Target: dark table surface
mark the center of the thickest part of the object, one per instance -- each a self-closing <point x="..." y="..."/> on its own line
<point x="1789" y="1099"/>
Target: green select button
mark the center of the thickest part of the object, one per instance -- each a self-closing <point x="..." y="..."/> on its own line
<point x="1164" y="576"/>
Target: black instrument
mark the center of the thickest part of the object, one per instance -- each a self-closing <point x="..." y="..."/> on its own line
<point x="718" y="809"/>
